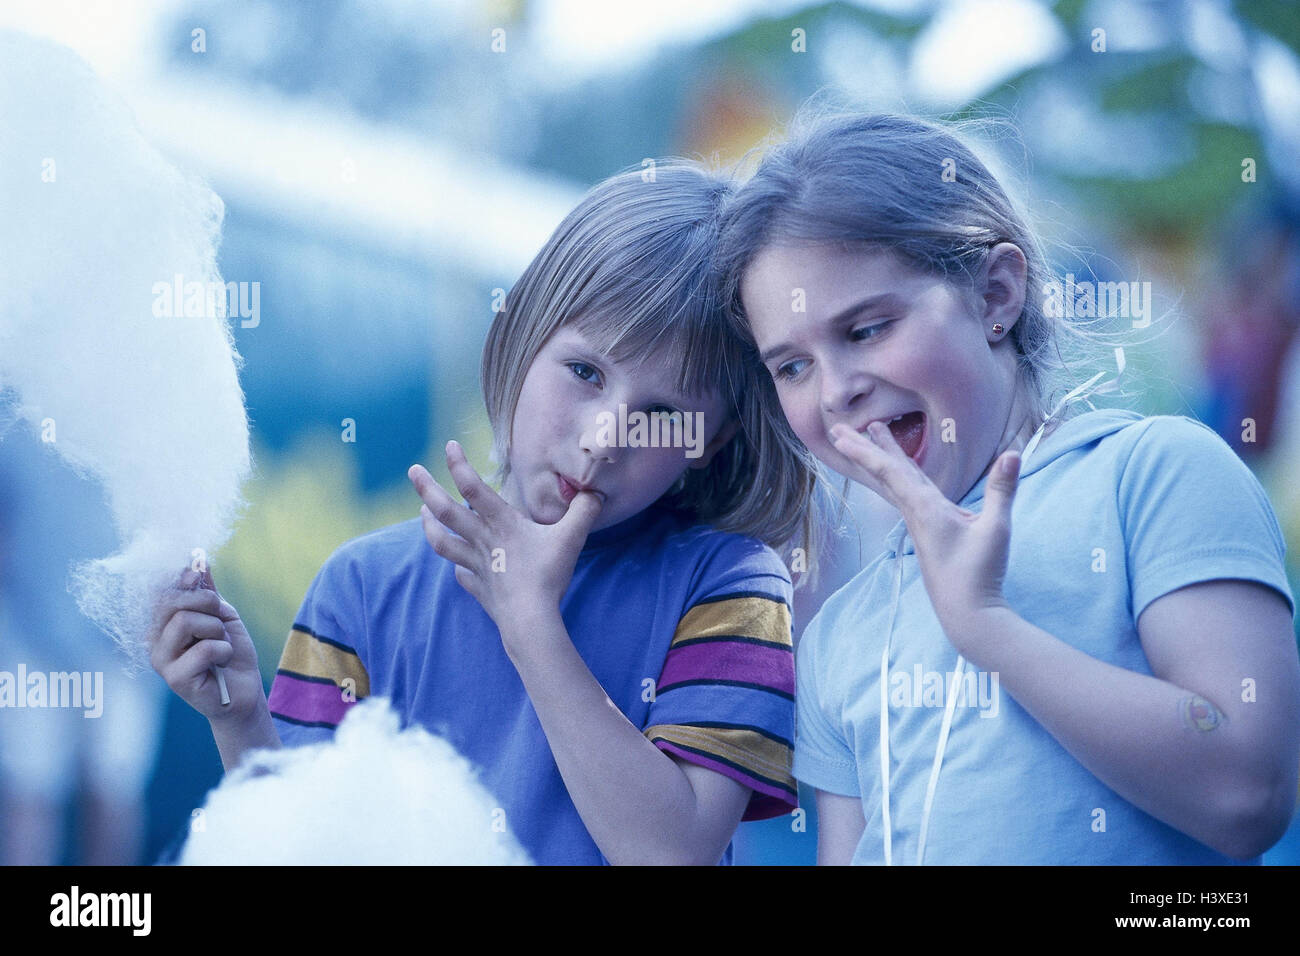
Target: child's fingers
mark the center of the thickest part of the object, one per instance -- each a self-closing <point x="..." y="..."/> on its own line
<point x="1000" y="489"/>
<point x="911" y="489"/>
<point x="470" y="582"/>
<point x="225" y="610"/>
<point x="165" y="598"/>
<point x="474" y="489"/>
<point x="442" y="506"/>
<point x="173" y="600"/>
<point x="191" y="668"/>
<point x="583" y="511"/>
<point x="875" y="465"/>
<point x="445" y="543"/>
<point x="184" y="628"/>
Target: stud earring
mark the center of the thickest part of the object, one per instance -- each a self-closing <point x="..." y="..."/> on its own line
<point x="997" y="328"/>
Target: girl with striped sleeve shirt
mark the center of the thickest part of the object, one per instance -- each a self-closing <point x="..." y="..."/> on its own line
<point x="607" y="638"/>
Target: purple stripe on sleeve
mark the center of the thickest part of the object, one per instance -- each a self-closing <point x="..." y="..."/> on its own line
<point x="730" y="660"/>
<point x="767" y="800"/>
<point x="307" y="701"/>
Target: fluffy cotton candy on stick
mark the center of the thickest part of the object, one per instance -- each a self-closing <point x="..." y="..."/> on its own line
<point x="373" y="795"/>
<point x="97" y="226"/>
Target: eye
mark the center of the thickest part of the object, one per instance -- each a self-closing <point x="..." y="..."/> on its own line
<point x="661" y="411"/>
<point x="864" y="333"/>
<point x="585" y="372"/>
<point x="789" y="370"/>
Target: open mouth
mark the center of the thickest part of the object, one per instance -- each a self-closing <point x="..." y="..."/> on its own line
<point x="909" y="431"/>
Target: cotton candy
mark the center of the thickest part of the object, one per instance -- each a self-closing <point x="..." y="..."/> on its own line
<point x="373" y="794"/>
<point x="95" y="225"/>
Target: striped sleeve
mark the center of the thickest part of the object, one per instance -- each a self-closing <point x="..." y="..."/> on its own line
<point x="317" y="681"/>
<point x="321" y="676"/>
<point x="725" y="698"/>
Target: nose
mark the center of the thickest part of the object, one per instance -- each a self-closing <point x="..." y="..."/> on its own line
<point x="600" y="439"/>
<point x="842" y="385"/>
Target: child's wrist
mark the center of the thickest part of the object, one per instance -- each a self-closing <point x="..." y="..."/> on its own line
<point x="529" y="627"/>
<point x="240" y="733"/>
<point x="976" y="633"/>
<point x="233" y="720"/>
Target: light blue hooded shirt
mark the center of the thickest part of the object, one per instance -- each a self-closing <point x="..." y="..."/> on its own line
<point x="1113" y="510"/>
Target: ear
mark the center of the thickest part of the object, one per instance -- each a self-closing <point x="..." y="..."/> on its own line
<point x="724" y="435"/>
<point x="1002" y="288"/>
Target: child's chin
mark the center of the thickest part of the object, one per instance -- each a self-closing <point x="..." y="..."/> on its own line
<point x="545" y="511"/>
<point x="548" y="515"/>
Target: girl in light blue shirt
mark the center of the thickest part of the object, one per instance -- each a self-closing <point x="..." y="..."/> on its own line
<point x="1077" y="646"/>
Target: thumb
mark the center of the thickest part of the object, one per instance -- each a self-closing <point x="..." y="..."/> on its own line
<point x="1001" y="488"/>
<point x="583" y="511"/>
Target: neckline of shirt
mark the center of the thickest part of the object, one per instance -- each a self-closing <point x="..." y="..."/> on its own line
<point x="624" y="529"/>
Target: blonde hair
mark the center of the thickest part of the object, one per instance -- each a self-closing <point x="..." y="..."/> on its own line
<point x="632" y="267"/>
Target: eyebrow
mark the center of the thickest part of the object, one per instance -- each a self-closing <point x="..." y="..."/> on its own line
<point x="863" y="305"/>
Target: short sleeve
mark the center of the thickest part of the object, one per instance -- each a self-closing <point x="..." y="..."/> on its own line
<point x="321" y="674"/>
<point x="822" y="757"/>
<point x="725" y="697"/>
<point x="1192" y="512"/>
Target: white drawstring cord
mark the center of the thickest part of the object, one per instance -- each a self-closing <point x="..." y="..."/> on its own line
<point x="884" y="710"/>
<point x="951" y="703"/>
<point x="938" y="759"/>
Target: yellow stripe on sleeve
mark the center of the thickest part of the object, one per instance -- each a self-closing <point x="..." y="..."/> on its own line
<point x="756" y="617"/>
<point x="312" y="657"/>
<point x="745" y="748"/>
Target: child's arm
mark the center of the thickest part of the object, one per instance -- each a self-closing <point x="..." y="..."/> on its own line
<point x="840" y="825"/>
<point x="639" y="804"/>
<point x="254" y="732"/>
<point x="1182" y="744"/>
<point x="194" y="630"/>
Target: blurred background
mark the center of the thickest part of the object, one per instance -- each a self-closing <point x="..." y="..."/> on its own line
<point x="387" y="165"/>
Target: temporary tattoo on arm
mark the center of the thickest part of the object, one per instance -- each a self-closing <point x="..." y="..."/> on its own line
<point x="1199" y="714"/>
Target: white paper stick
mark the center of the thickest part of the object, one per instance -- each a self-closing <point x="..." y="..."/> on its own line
<point x="221" y="683"/>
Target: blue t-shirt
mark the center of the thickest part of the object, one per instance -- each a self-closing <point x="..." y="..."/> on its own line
<point x="1113" y="510"/>
<point x="686" y="628"/>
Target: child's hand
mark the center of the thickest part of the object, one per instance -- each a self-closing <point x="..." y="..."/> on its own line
<point x="194" y="630"/>
<point x="963" y="555"/>
<point x="510" y="563"/>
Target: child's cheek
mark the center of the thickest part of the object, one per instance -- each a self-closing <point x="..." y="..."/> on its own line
<point x="805" y="418"/>
<point x="656" y="466"/>
<point x="651" y="472"/>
